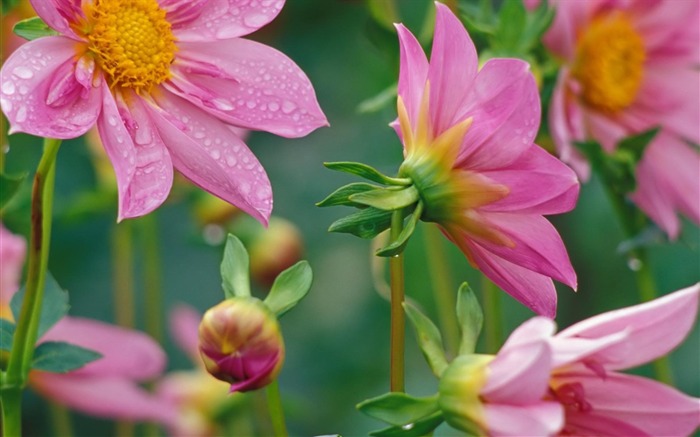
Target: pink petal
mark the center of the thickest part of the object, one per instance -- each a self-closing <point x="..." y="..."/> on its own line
<point x="13" y="249"/>
<point x="144" y="360"/>
<point x="538" y="246"/>
<point x="652" y="407"/>
<point x="583" y="424"/>
<point x="653" y="329"/>
<point x="571" y="16"/>
<point x="413" y="72"/>
<point x="538" y="182"/>
<point x="184" y="328"/>
<point x="30" y="78"/>
<point x="109" y="397"/>
<point x="519" y="374"/>
<point x="571" y="350"/>
<point x="209" y="154"/>
<point x="505" y="104"/>
<point x="604" y="129"/>
<point x="224" y="19"/>
<point x="670" y="30"/>
<point x="543" y="418"/>
<point x="59" y="14"/>
<point x="453" y="66"/>
<point x="140" y="159"/>
<point x="250" y="85"/>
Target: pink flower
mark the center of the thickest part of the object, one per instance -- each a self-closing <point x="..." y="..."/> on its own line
<point x="13" y="249"/>
<point x="468" y="136"/>
<point x="164" y="92"/>
<point x="630" y="66"/>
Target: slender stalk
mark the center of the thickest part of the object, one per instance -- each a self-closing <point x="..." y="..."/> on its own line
<point x="493" y="319"/>
<point x="153" y="304"/>
<point x="398" y="321"/>
<point x="27" y="328"/>
<point x="443" y="290"/>
<point x="274" y="405"/>
<point x="61" y="420"/>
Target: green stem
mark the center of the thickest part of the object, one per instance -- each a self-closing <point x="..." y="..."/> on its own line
<point x="61" y="420"/>
<point x="398" y="321"/>
<point x="493" y="318"/>
<point x="274" y="405"/>
<point x="443" y="289"/>
<point x="153" y="305"/>
<point x="27" y="329"/>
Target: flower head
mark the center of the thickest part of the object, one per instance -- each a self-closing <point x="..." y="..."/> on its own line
<point x="630" y="67"/>
<point x="468" y="136"/>
<point x="240" y="342"/>
<point x="164" y="81"/>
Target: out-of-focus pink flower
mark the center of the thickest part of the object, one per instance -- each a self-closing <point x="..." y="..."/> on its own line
<point x="13" y="249"/>
<point x="630" y="66"/>
<point x="163" y="91"/>
<point x="468" y="136"/>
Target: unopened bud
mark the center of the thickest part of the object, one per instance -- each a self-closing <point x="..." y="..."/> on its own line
<point x="274" y="249"/>
<point x="240" y="342"/>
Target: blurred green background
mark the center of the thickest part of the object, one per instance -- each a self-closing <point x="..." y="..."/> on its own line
<point x="337" y="338"/>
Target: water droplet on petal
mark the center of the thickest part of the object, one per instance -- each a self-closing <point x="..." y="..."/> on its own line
<point x="288" y="107"/>
<point x="21" y="114"/>
<point x="8" y="88"/>
<point x="215" y="153"/>
<point x="23" y="72"/>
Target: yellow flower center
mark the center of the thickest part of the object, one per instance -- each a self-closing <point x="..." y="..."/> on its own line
<point x="132" y="42"/>
<point x="609" y="64"/>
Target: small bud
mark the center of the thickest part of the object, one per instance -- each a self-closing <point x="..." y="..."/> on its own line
<point x="240" y="342"/>
<point x="459" y="399"/>
<point x="274" y="250"/>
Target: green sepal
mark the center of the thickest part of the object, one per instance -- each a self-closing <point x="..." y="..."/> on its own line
<point x="235" y="269"/>
<point x="9" y="186"/>
<point x="399" y="408"/>
<point x="388" y="199"/>
<point x="341" y="196"/>
<point x="397" y="246"/>
<point x="429" y="339"/>
<point x="418" y="428"/>
<point x="367" y="172"/>
<point x="61" y="357"/>
<point x="54" y="305"/>
<point x="366" y="223"/>
<point x="33" y="28"/>
<point x="7" y="332"/>
<point x="289" y="288"/>
<point x="470" y="318"/>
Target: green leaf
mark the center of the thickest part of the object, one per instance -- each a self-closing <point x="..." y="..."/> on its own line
<point x="235" y="271"/>
<point x="470" y="318"/>
<point x="8" y="5"/>
<point x="341" y="196"/>
<point x="62" y="357"/>
<point x="397" y="246"/>
<point x="54" y="305"/>
<point x="388" y="199"/>
<point x="9" y="185"/>
<point x="367" y="223"/>
<point x="399" y="408"/>
<point x="7" y="332"/>
<point x="367" y="172"/>
<point x="634" y="146"/>
<point x="511" y="23"/>
<point x="429" y="339"/>
<point x="417" y="429"/>
<point x="289" y="288"/>
<point x="33" y="28"/>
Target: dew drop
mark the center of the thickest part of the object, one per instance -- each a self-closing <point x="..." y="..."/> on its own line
<point x="255" y="20"/>
<point x="634" y="264"/>
<point x="288" y="107"/>
<point x="273" y="106"/>
<point x="23" y="72"/>
<point x="215" y="153"/>
<point x="21" y="114"/>
<point x="8" y="88"/>
<point x="112" y="120"/>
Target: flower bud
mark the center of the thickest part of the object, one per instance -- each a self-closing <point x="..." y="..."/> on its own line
<point x="274" y="250"/>
<point x="459" y="390"/>
<point x="240" y="342"/>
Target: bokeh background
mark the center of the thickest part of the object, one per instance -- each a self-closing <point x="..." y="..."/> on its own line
<point x="337" y="338"/>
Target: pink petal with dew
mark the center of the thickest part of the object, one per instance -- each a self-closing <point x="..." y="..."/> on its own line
<point x="566" y="126"/>
<point x="141" y="161"/>
<point x="453" y="66"/>
<point x="125" y="353"/>
<point x="519" y="374"/>
<point x="505" y="104"/>
<point x="652" y="407"/>
<point x="59" y="15"/>
<point x="537" y="245"/>
<point x="13" y="249"/>
<point x="653" y="329"/>
<point x="184" y="328"/>
<point x="413" y="72"/>
<point x="210" y="155"/>
<point x="538" y="183"/>
<point x="43" y="92"/>
<point x="223" y="19"/>
<point x="252" y="86"/>
<point x="543" y="418"/>
<point x="533" y="290"/>
<point x="108" y="397"/>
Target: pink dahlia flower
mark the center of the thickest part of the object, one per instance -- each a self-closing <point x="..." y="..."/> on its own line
<point x="630" y="66"/>
<point x="468" y="137"/>
<point x="164" y="81"/>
